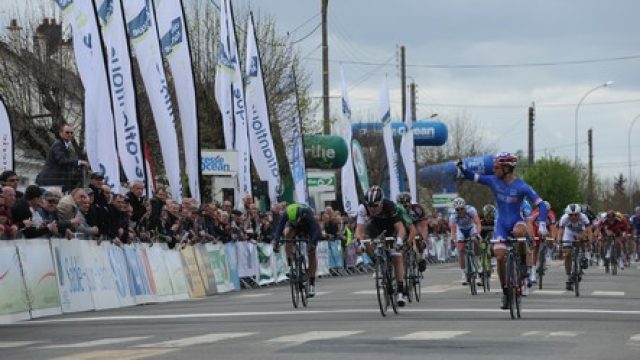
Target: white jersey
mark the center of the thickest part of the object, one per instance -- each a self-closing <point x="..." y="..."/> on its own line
<point x="466" y="221"/>
<point x="573" y="228"/>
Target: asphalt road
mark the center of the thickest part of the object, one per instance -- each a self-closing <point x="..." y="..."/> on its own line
<point x="343" y="322"/>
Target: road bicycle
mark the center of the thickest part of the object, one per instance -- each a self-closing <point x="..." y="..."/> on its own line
<point x="485" y="263"/>
<point x="385" y="274"/>
<point x="576" y="267"/>
<point x="298" y="273"/>
<point x="542" y="261"/>
<point x="412" y="276"/>
<point x="470" y="265"/>
<point x="611" y="255"/>
<point x="515" y="274"/>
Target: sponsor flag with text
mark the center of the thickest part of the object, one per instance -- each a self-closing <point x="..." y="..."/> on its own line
<point x="347" y="174"/>
<point x="387" y="135"/>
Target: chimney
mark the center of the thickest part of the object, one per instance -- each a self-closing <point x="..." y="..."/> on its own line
<point x="14" y="34"/>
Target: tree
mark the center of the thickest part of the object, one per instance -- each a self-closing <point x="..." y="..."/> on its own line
<point x="555" y="180"/>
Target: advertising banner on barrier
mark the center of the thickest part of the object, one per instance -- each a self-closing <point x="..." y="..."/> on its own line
<point x="161" y="278"/>
<point x="220" y="267"/>
<point x="13" y="300"/>
<point x="139" y="282"/>
<point x="73" y="282"/>
<point x="231" y="251"/>
<point x="206" y="271"/>
<point x="118" y="265"/>
<point x="265" y="276"/>
<point x="280" y="267"/>
<point x="352" y="256"/>
<point x="322" y="253"/>
<point x="39" y="277"/>
<point x="99" y="275"/>
<point x="335" y="254"/>
<point x="177" y="274"/>
<point x="247" y="259"/>
<point x="194" y="280"/>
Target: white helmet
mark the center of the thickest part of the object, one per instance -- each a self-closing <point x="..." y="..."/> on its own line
<point x="458" y="203"/>
<point x="572" y="209"/>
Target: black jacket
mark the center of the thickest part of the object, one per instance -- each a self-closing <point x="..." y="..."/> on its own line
<point x="59" y="169"/>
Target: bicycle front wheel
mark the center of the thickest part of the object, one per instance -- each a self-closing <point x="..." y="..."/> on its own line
<point x="511" y="273"/>
<point x="303" y="281"/>
<point x="293" y="282"/>
<point x="393" y="285"/>
<point x="381" y="287"/>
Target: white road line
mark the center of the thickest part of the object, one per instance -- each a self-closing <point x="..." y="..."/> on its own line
<point x="93" y="343"/>
<point x="431" y="335"/>
<point x="128" y="354"/>
<point x="15" y="344"/>
<point x="313" y="335"/>
<point x="195" y="340"/>
<point x="307" y="312"/>
<point x="549" y="292"/>
<point x="635" y="337"/>
<point x="364" y="292"/>
<point x="552" y="334"/>
<point x="255" y="295"/>
<point x="320" y="293"/>
<point x="608" y="293"/>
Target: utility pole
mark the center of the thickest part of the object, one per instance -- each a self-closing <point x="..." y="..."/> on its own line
<point x="590" y="178"/>
<point x="532" y="117"/>
<point x="412" y="93"/>
<point x="403" y="81"/>
<point x="325" y="70"/>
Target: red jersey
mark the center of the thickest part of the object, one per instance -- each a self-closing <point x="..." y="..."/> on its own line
<point x="551" y="220"/>
<point x="616" y="225"/>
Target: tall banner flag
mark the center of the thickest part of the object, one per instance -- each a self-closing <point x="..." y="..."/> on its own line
<point x="6" y="139"/>
<point x="141" y="27"/>
<point x="224" y="77"/>
<point x="292" y="136"/>
<point x="407" y="150"/>
<point x="387" y="135"/>
<point x="262" y="148"/>
<point x="99" y="129"/>
<point x="239" y="114"/>
<point x="123" y="91"/>
<point x="347" y="175"/>
<point x="175" y="48"/>
<point x="360" y="164"/>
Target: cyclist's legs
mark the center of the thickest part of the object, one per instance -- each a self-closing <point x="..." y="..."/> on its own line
<point x="631" y="246"/>
<point x="567" y="256"/>
<point x="289" y="233"/>
<point x="521" y="230"/>
<point x="313" y="260"/>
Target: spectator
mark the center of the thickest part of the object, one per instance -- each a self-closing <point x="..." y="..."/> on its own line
<point x="69" y="209"/>
<point x="135" y="198"/>
<point x="7" y="229"/>
<point x="252" y="223"/>
<point x="10" y="178"/>
<point x="118" y="227"/>
<point x="26" y="217"/>
<point x="61" y="162"/>
<point x="247" y="201"/>
<point x="48" y="214"/>
<point x="157" y="204"/>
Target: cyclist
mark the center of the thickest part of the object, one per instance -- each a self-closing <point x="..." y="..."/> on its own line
<point x="509" y="191"/>
<point x="634" y="221"/>
<point x="537" y="239"/>
<point x="376" y="215"/>
<point x="612" y="225"/>
<point x="464" y="224"/>
<point x="299" y="220"/>
<point x="488" y="220"/>
<point x="572" y="227"/>
<point x="418" y="230"/>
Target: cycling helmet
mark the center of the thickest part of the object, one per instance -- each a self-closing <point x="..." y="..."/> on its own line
<point x="506" y="158"/>
<point x="637" y="209"/>
<point x="489" y="211"/>
<point x="610" y="214"/>
<point x="572" y="209"/>
<point x="374" y="196"/>
<point x="403" y="198"/>
<point x="458" y="203"/>
<point x="294" y="212"/>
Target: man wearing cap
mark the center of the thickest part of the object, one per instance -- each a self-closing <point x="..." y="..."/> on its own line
<point x="27" y="219"/>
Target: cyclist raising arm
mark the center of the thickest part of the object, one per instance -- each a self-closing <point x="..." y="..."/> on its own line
<point x="376" y="215"/>
<point x="509" y="191"/>
<point x="299" y="220"/>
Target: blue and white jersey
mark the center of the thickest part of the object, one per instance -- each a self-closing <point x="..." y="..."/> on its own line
<point x="635" y="224"/>
<point x="509" y="198"/>
<point x="572" y="228"/>
<point x="464" y="221"/>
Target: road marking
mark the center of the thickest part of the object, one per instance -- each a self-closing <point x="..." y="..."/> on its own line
<point x="307" y="312"/>
<point x="431" y="335"/>
<point x="550" y="334"/>
<point x="254" y="295"/>
<point x="115" y="354"/>
<point x="608" y="293"/>
<point x="550" y="292"/>
<point x="320" y="293"/>
<point x="14" y="344"/>
<point x="195" y="340"/>
<point x="365" y="292"/>
<point x="92" y="343"/>
<point x="436" y="289"/>
<point x="634" y="340"/>
<point x="314" y="335"/>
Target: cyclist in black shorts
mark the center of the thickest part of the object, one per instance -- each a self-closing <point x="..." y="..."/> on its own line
<point x="299" y="220"/>
<point x="376" y="215"/>
<point x="488" y="220"/>
<point x="419" y="219"/>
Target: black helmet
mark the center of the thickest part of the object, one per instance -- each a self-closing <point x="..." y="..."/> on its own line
<point x="374" y="196"/>
<point x="489" y="211"/>
<point x="403" y="198"/>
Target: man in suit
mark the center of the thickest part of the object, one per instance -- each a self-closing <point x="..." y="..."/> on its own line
<point x="61" y="162"/>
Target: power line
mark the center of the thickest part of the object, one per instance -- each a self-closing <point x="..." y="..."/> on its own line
<point x="496" y="66"/>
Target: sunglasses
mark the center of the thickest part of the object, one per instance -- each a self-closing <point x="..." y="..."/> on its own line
<point x="68" y="132"/>
<point x="375" y="205"/>
<point x="460" y="209"/>
<point x="12" y="180"/>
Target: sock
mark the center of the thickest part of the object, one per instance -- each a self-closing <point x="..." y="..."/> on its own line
<point x="312" y="281"/>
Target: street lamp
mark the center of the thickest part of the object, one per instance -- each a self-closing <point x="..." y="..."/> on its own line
<point x="629" y="158"/>
<point x="608" y="83"/>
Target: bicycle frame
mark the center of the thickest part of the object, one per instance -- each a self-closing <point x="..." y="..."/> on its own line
<point x="298" y="276"/>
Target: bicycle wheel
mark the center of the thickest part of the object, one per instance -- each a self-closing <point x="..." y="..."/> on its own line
<point x="542" y="258"/>
<point x="613" y="260"/>
<point x="381" y="286"/>
<point x="471" y="274"/>
<point x="293" y="282"/>
<point x="393" y="285"/>
<point x="511" y="273"/>
<point x="486" y="270"/>
<point x="576" y="277"/>
<point x="416" y="286"/>
<point x="409" y="272"/>
<point x="303" y="280"/>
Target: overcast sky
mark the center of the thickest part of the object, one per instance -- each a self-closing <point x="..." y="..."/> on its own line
<point x="554" y="52"/>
